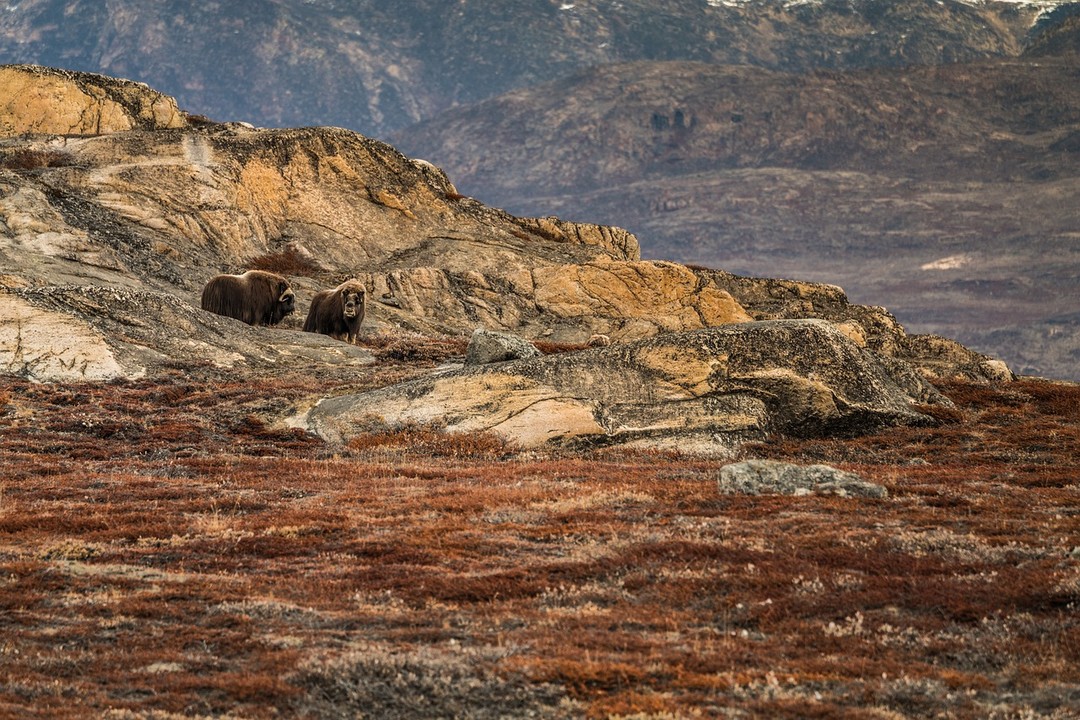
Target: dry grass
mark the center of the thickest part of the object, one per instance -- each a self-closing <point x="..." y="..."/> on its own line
<point x="28" y="159"/>
<point x="166" y="550"/>
<point x="288" y="262"/>
<point x="415" y="349"/>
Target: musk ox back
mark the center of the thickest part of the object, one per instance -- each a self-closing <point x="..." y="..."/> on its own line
<point x="257" y="297"/>
<point x="338" y="312"/>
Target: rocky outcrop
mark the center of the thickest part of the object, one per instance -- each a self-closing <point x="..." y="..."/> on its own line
<point x="707" y="390"/>
<point x="561" y="303"/>
<point x="870" y="327"/>
<point x="106" y="241"/>
<point x="175" y="206"/>
<point x="161" y="211"/>
<point x="48" y="101"/>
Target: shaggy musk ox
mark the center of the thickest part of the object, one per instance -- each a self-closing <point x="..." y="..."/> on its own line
<point x="257" y="297"/>
<point x="338" y="312"/>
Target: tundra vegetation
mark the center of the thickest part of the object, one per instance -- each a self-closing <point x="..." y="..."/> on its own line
<point x="169" y="551"/>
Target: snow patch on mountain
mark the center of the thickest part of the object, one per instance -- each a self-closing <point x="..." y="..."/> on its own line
<point x="1041" y="4"/>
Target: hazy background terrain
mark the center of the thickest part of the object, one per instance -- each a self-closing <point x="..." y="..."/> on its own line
<point x="921" y="154"/>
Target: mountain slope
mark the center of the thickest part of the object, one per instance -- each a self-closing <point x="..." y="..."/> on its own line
<point x="944" y="192"/>
<point x="644" y="121"/>
<point x="373" y="68"/>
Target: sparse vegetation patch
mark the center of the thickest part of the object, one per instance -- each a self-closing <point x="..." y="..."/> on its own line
<point x="31" y="159"/>
<point x="168" y="547"/>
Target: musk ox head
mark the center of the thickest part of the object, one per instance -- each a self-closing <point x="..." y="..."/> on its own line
<point x="257" y="297"/>
<point x="286" y="303"/>
<point x="338" y="312"/>
<point x="353" y="300"/>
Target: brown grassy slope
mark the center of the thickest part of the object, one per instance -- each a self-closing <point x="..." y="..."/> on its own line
<point x="164" y="551"/>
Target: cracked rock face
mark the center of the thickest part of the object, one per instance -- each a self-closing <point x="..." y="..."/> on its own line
<point x="43" y="100"/>
<point x="707" y="390"/>
<point x="50" y="345"/>
<point x="565" y="303"/>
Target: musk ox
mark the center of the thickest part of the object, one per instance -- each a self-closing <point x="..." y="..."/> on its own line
<point x="338" y="312"/>
<point x="257" y="297"/>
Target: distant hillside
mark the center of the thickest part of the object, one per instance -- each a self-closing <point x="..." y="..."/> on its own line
<point x="375" y="67"/>
<point x="1056" y="33"/>
<point x="947" y="193"/>
<point x="648" y="121"/>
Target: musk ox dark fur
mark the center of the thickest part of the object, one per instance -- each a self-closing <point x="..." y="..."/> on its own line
<point x="257" y="297"/>
<point x="338" y="312"/>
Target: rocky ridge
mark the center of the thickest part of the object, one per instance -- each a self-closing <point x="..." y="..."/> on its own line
<point x="107" y="239"/>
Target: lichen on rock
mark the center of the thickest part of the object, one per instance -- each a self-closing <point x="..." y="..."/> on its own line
<point x="756" y="477"/>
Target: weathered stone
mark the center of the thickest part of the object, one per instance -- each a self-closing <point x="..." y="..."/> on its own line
<point x="942" y="357"/>
<point x="755" y="477"/>
<point x="46" y="345"/>
<point x="41" y="100"/>
<point x="564" y="303"/>
<point x="486" y="346"/>
<point x="622" y="244"/>
<point x="709" y="390"/>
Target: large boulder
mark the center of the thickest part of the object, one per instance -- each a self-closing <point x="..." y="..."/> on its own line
<point x="487" y="346"/>
<point x="707" y="390"/>
<point x="757" y="477"/>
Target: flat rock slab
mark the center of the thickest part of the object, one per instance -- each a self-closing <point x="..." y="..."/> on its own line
<point x="705" y="390"/>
